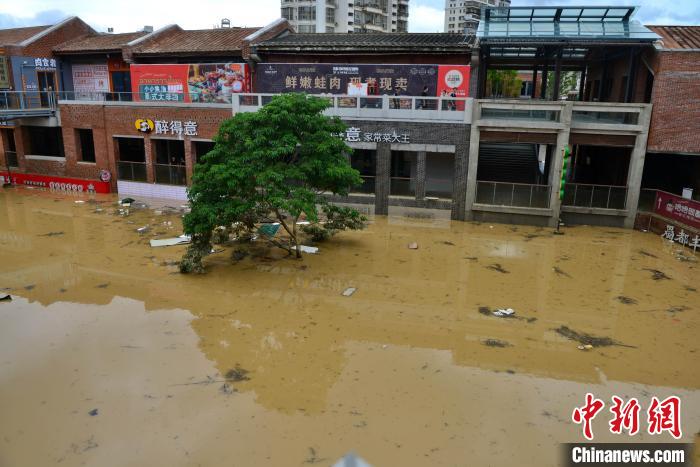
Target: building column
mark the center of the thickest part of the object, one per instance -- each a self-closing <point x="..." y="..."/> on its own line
<point x="557" y="77"/>
<point x="472" y="163"/>
<point x="533" y="93"/>
<point x="148" y="153"/>
<point x="189" y="160"/>
<point x="475" y="74"/>
<point x="420" y="175"/>
<point x="636" y="167"/>
<point x="545" y="74"/>
<point x="557" y="161"/>
<point x="582" y="84"/>
<point x="459" y="183"/>
<point x="382" y="179"/>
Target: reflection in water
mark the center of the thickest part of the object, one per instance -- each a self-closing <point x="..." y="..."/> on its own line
<point x="397" y="372"/>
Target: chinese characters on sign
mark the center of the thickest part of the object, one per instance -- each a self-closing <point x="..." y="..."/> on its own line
<point x="682" y="237"/>
<point x="356" y="135"/>
<point x="410" y="80"/>
<point x="162" y="92"/>
<point x="176" y="127"/>
<point x="45" y="63"/>
<point x="90" y="78"/>
<point x="677" y="208"/>
<point x="661" y="416"/>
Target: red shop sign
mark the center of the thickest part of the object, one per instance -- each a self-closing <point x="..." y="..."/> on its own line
<point x="685" y="211"/>
<point x="57" y="183"/>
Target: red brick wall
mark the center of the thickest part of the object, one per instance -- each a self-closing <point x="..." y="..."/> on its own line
<point x="109" y="120"/>
<point x="675" y="120"/>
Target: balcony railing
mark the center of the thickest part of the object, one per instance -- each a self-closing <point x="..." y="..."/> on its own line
<point x="16" y="100"/>
<point x="385" y="106"/>
<point x="512" y="194"/>
<point x="595" y="196"/>
<point x="134" y="171"/>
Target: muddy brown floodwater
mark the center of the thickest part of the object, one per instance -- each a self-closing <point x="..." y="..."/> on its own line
<point x="109" y="357"/>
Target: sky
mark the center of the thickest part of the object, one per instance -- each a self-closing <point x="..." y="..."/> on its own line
<point x="131" y="15"/>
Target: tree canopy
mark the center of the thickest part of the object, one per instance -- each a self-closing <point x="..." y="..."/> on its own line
<point x="272" y="165"/>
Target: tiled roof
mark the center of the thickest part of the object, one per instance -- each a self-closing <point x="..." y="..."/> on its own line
<point x="360" y="41"/>
<point x="678" y="37"/>
<point x="196" y="41"/>
<point x="17" y="35"/>
<point x="99" y="42"/>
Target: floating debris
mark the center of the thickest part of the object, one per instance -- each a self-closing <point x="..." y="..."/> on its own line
<point x="413" y="246"/>
<point x="495" y="343"/>
<point x="657" y="275"/>
<point x="561" y="272"/>
<point x="227" y="389"/>
<point x="93" y="412"/>
<point x="237" y="374"/>
<point x="678" y="309"/>
<point x="587" y="339"/>
<point x="504" y="313"/>
<point x="307" y="249"/>
<point x="182" y="239"/>
<point x="585" y="347"/>
<point x="51" y="234"/>
<point x="143" y="229"/>
<point x="646" y="253"/>
<point x="446" y="242"/>
<point x="349" y="291"/>
<point x="103" y="286"/>
<point x="5" y="297"/>
<point x="498" y="268"/>
<point x="626" y="300"/>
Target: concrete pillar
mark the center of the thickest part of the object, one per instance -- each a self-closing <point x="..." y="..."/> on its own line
<point x="557" y="161"/>
<point x="459" y="184"/>
<point x="557" y="77"/>
<point x="382" y="179"/>
<point x="474" y="76"/>
<point x="533" y="93"/>
<point x="545" y="74"/>
<point x="189" y="160"/>
<point x="420" y="175"/>
<point x="148" y="152"/>
<point x="636" y="167"/>
<point x="473" y="162"/>
<point x="582" y="84"/>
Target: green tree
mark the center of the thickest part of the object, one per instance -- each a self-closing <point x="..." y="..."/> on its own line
<point x="503" y="83"/>
<point x="271" y="165"/>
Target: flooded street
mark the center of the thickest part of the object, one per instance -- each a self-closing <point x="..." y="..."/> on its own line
<point x="110" y="357"/>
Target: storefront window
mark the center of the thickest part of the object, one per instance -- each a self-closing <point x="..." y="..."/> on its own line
<point x="131" y="159"/>
<point x="86" y="145"/>
<point x="403" y="170"/>
<point x="170" y="161"/>
<point x="44" y="141"/>
<point x="439" y="172"/>
<point x="364" y="161"/>
<point x="201" y="148"/>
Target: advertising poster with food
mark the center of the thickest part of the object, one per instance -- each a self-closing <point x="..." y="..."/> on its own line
<point x="204" y="83"/>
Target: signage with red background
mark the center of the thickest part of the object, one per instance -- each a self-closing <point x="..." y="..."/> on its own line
<point x="685" y="211"/>
<point x="451" y="77"/>
<point x="205" y="83"/>
<point x="75" y="185"/>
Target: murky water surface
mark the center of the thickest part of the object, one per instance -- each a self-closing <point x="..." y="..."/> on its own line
<point x="101" y="323"/>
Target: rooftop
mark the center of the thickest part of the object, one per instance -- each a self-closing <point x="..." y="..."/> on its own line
<point x="199" y="41"/>
<point x="678" y="37"/>
<point x="378" y="42"/>
<point x="102" y="42"/>
<point x="569" y="24"/>
<point x="17" y="35"/>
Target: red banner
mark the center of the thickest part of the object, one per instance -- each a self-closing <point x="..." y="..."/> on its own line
<point x="76" y="185"/>
<point x="685" y="211"/>
<point x="453" y="78"/>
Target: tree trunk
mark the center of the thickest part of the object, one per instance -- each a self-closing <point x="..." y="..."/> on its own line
<point x="296" y="237"/>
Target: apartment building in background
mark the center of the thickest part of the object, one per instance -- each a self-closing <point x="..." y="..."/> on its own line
<point x="344" y="16"/>
<point x="461" y="15"/>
